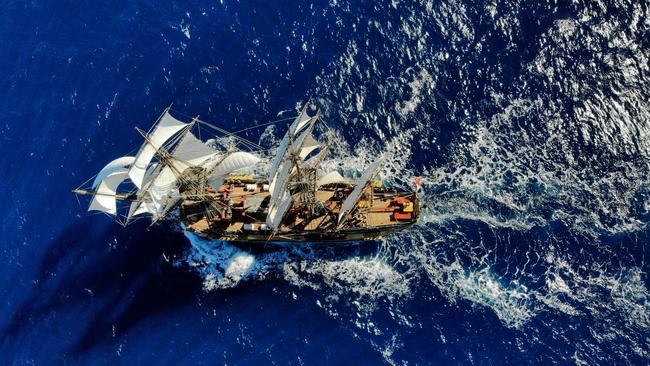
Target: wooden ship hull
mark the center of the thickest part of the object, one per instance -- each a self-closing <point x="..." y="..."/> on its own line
<point x="382" y="212"/>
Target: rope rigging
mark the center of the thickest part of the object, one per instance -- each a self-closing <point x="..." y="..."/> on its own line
<point x="166" y="157"/>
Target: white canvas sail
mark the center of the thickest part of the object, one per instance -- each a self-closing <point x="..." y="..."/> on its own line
<point x="138" y="208"/>
<point x="118" y="164"/>
<point x="277" y="212"/>
<point x="166" y="128"/>
<point x="308" y="146"/>
<point x="279" y="155"/>
<point x="151" y="173"/>
<point x="331" y="178"/>
<point x="144" y="205"/>
<point x="104" y="199"/>
<point x="168" y="205"/>
<point x="299" y="142"/>
<point x="191" y="151"/>
<point x="277" y="185"/>
<point x="295" y="128"/>
<point x="234" y="161"/>
<point x="277" y="181"/>
<point x="162" y="187"/>
<point x="300" y="122"/>
<point x="361" y="183"/>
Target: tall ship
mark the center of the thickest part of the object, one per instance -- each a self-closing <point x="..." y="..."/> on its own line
<point x="215" y="192"/>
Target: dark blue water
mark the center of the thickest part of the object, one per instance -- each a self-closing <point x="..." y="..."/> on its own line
<point x="530" y="124"/>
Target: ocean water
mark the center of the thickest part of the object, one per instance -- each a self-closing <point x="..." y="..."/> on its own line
<point x="529" y="122"/>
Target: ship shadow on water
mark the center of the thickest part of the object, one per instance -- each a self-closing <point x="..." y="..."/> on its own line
<point x="120" y="277"/>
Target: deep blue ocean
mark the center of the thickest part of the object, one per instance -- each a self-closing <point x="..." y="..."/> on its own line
<point x="528" y="120"/>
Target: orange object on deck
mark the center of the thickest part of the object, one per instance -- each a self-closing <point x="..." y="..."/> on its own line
<point x="402" y="216"/>
<point x="212" y="190"/>
<point x="384" y="209"/>
<point x="402" y="199"/>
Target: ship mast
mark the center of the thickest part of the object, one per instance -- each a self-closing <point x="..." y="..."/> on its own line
<point x="290" y="177"/>
<point x="158" y="181"/>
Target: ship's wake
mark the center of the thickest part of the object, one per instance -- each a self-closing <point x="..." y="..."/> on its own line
<point x="537" y="209"/>
<point x="529" y="246"/>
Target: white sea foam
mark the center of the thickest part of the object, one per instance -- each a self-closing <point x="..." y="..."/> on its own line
<point x="535" y="163"/>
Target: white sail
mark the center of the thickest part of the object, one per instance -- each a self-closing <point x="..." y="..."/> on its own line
<point x="308" y="146"/>
<point x="277" y="185"/>
<point x="191" y="151"/>
<point x="234" y="161"/>
<point x="296" y="127"/>
<point x="279" y="155"/>
<point x="141" y="207"/>
<point x="118" y="164"/>
<point x="331" y="178"/>
<point x="162" y="187"/>
<point x="144" y="205"/>
<point x="277" y="212"/>
<point x="104" y="199"/>
<point x="361" y="183"/>
<point x="168" y="204"/>
<point x="283" y="166"/>
<point x="151" y="173"/>
<point x="277" y="180"/>
<point x="300" y="141"/>
<point x="166" y="128"/>
<point x="300" y="121"/>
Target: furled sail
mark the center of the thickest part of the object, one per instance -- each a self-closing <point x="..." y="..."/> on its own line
<point x="166" y="128"/>
<point x="118" y="164"/>
<point x="104" y="199"/>
<point x="361" y="184"/>
<point x="331" y="178"/>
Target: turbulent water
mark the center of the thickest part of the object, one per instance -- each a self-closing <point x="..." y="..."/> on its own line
<point x="529" y="122"/>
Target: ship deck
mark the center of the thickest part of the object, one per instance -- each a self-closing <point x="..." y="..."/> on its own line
<point x="379" y="212"/>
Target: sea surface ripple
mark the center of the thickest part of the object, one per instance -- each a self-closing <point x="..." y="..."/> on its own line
<point x="529" y="122"/>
